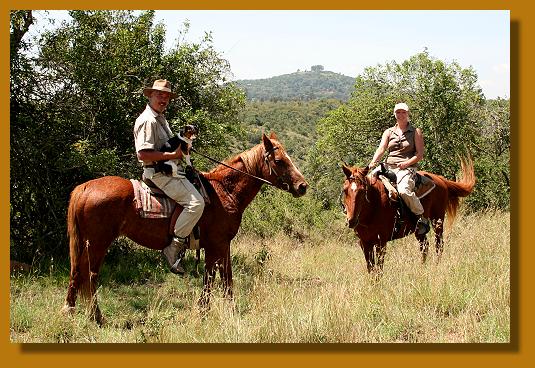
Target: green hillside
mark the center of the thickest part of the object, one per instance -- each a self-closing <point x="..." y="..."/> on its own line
<point x="301" y="85"/>
<point x="293" y="121"/>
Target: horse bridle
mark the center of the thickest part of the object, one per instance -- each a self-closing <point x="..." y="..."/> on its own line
<point x="267" y="154"/>
<point x="353" y="179"/>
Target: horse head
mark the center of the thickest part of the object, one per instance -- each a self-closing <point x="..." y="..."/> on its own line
<point x="355" y="193"/>
<point x="279" y="168"/>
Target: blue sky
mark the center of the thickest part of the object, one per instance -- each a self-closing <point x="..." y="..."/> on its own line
<point x="262" y="44"/>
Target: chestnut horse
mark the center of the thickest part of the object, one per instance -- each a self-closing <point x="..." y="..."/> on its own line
<point x="373" y="215"/>
<point x="102" y="209"/>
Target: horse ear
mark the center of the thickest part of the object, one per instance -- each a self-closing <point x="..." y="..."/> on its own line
<point x="267" y="143"/>
<point x="273" y="136"/>
<point x="347" y="170"/>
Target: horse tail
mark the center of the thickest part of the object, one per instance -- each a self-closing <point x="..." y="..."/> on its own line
<point x="73" y="229"/>
<point x="461" y="188"/>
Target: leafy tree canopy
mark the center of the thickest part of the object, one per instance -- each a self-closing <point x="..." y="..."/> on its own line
<point x="75" y="103"/>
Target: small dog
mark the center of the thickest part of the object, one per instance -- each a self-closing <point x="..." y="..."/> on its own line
<point x="184" y="141"/>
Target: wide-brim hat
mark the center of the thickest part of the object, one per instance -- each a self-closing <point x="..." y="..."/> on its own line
<point x="159" y="85"/>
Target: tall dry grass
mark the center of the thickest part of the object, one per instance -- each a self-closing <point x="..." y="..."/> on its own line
<point x="311" y="290"/>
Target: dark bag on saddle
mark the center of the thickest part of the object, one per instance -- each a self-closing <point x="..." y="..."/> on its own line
<point x="387" y="173"/>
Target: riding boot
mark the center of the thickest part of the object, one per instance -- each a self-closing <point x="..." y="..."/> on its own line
<point x="174" y="253"/>
<point x="422" y="225"/>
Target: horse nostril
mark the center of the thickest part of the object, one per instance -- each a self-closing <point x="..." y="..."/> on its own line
<point x="302" y="189"/>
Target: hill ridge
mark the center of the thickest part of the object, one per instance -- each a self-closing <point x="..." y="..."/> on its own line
<point x="299" y="85"/>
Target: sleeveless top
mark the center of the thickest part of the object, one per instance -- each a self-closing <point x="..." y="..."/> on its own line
<point x="401" y="148"/>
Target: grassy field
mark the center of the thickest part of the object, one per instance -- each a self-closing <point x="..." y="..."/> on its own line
<point x="312" y="289"/>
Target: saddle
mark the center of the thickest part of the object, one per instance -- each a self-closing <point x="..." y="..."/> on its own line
<point x="151" y="202"/>
<point x="423" y="183"/>
<point x="423" y="186"/>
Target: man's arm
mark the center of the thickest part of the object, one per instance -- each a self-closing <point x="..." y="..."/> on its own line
<point x="153" y="155"/>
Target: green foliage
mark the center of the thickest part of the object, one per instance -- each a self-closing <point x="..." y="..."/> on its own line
<point x="74" y="103"/>
<point x="274" y="211"/>
<point x="206" y="100"/>
<point x="493" y="157"/>
<point x="301" y="85"/>
<point x="293" y="121"/>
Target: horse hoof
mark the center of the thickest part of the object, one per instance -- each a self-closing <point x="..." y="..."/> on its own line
<point x="100" y="321"/>
<point x="67" y="310"/>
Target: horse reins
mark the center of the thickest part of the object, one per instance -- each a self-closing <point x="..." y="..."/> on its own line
<point x="352" y="178"/>
<point x="266" y="156"/>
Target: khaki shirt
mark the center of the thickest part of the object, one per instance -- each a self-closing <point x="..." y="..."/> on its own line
<point x="151" y="131"/>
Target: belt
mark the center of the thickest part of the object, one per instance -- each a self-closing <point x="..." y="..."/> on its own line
<point x="157" y="168"/>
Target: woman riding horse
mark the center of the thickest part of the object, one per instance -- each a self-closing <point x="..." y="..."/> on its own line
<point x="405" y="145"/>
<point x="377" y="219"/>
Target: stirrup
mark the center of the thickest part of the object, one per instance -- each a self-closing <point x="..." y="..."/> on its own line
<point x="177" y="268"/>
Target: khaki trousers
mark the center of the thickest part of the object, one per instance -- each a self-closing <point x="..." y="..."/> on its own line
<point x="184" y="193"/>
<point x="405" y="183"/>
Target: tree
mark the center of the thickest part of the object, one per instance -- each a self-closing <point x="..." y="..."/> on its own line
<point x="82" y="94"/>
<point x="493" y="157"/>
<point x="316" y="68"/>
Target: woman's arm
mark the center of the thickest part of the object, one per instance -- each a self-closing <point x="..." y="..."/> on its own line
<point x="379" y="152"/>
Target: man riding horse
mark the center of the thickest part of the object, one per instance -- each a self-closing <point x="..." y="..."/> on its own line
<point x="151" y="132"/>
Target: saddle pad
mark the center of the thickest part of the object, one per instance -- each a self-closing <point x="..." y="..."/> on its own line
<point x="149" y="205"/>
<point x="424" y="185"/>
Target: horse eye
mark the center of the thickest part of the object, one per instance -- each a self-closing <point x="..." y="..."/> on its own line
<point x="277" y="161"/>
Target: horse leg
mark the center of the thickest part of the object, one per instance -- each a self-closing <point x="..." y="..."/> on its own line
<point x="78" y="276"/>
<point x="438" y="227"/>
<point x="208" y="281"/>
<point x="78" y="282"/>
<point x="225" y="272"/>
<point x="75" y="280"/>
<point x="381" y="252"/>
<point x="369" y="255"/>
<point x="91" y="261"/>
<point x="72" y="291"/>
<point x="94" y="310"/>
<point x="424" y="246"/>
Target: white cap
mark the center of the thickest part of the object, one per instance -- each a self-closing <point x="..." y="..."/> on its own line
<point x="401" y="106"/>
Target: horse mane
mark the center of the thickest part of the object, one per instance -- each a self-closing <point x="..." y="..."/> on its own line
<point x="250" y="158"/>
